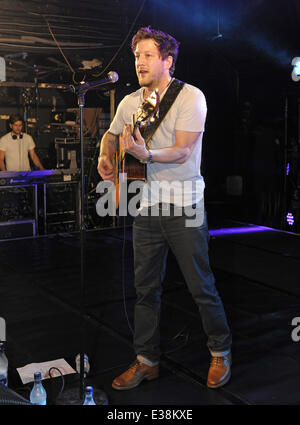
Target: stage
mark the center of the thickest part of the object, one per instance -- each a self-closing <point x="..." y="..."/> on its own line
<point x="47" y="311"/>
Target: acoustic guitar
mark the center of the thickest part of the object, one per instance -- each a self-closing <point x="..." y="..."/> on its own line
<point x="125" y="163"/>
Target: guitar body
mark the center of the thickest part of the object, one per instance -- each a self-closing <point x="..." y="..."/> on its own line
<point x="126" y="163"/>
<point x="134" y="169"/>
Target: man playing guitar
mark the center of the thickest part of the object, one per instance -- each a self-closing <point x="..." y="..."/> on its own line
<point x="173" y="157"/>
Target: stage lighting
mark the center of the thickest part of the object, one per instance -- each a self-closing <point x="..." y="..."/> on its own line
<point x="296" y="69"/>
<point x="290" y="218"/>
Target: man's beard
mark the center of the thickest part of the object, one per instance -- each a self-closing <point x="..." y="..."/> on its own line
<point x="150" y="81"/>
<point x="145" y="83"/>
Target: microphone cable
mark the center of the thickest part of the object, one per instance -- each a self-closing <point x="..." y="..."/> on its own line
<point x="114" y="56"/>
<point x="125" y="40"/>
<point x="61" y="51"/>
<point x="123" y="275"/>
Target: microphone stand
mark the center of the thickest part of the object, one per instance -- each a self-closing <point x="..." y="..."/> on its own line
<point x="74" y="396"/>
<point x="81" y="104"/>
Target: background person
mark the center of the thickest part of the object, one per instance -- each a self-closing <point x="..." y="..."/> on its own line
<point x="15" y="147"/>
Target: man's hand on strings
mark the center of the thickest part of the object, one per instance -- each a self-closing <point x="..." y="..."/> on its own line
<point x="134" y="144"/>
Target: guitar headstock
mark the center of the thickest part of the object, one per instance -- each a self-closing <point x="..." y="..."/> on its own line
<point x="148" y="111"/>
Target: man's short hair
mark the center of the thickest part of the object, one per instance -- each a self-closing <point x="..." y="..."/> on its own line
<point x="166" y="44"/>
<point x="14" y="118"/>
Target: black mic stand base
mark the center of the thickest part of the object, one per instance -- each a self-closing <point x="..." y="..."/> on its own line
<point x="72" y="397"/>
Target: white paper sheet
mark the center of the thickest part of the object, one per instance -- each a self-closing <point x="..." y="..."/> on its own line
<point x="27" y="372"/>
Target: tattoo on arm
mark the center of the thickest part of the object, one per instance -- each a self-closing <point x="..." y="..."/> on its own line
<point x="108" y="144"/>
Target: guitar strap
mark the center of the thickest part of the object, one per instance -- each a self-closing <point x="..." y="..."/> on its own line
<point x="164" y="106"/>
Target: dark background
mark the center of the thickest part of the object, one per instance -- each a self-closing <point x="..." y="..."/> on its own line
<point x="238" y="53"/>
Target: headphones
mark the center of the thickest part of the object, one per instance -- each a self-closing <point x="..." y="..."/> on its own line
<point x="16" y="137"/>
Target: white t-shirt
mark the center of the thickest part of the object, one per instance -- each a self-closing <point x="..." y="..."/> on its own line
<point x="16" y="151"/>
<point x="187" y="113"/>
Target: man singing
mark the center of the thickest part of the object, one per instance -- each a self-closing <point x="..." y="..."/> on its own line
<point x="174" y="157"/>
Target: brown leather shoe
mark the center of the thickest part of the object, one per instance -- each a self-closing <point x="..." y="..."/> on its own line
<point x="136" y="373"/>
<point x="219" y="372"/>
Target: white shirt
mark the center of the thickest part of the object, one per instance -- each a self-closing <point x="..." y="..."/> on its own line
<point x="188" y="113"/>
<point x="16" y="151"/>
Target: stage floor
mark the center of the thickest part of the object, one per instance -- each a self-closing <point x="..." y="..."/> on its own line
<point x="50" y="311"/>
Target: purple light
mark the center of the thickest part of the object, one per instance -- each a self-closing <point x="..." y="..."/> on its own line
<point x="290" y="219"/>
<point x="288" y="169"/>
<point x="233" y="230"/>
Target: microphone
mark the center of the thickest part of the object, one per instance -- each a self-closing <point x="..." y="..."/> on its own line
<point x="112" y="77"/>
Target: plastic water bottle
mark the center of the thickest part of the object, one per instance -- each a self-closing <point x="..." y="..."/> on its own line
<point x="86" y="364"/>
<point x="3" y="365"/>
<point x="38" y="393"/>
<point x="88" y="398"/>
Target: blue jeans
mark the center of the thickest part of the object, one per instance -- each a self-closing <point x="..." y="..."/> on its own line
<point x="152" y="238"/>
